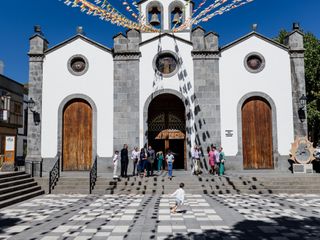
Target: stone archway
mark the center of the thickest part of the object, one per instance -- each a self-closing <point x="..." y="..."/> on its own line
<point x="166" y="127"/>
<point x="257" y="134"/>
<point x="77" y="136"/>
<point x="62" y="106"/>
<point x="274" y="140"/>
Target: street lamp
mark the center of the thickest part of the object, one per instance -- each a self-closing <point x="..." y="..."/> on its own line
<point x="36" y="116"/>
<point x="303" y="101"/>
<point x="31" y="104"/>
<point x="302" y="108"/>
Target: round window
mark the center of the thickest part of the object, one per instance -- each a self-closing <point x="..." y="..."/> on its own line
<point x="78" y="65"/>
<point x="166" y="63"/>
<point x="254" y="62"/>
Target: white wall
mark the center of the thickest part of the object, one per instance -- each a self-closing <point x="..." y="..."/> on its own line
<point x="147" y="73"/>
<point x="274" y="80"/>
<point x="59" y="83"/>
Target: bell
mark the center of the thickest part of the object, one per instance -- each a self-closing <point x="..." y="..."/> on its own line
<point x="176" y="18"/>
<point x="155" y="20"/>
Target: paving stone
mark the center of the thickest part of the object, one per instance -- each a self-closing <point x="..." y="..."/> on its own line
<point x="201" y="217"/>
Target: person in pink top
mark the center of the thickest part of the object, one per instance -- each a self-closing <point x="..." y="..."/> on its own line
<point x="211" y="156"/>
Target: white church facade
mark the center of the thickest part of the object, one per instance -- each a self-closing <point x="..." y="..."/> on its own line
<point x="171" y="91"/>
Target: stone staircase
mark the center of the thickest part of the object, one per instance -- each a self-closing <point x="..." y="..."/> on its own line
<point x="16" y="187"/>
<point x="205" y="184"/>
<point x="69" y="185"/>
<point x="292" y="184"/>
<point x="243" y="183"/>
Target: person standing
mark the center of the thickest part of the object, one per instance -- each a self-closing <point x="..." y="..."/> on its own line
<point x="222" y="160"/>
<point x="115" y="163"/>
<point x="160" y="160"/>
<point x="135" y="159"/>
<point x="196" y="160"/>
<point x="217" y="160"/>
<point x="124" y="160"/>
<point x="211" y="156"/>
<point x="143" y="160"/>
<point x="151" y="156"/>
<point x="170" y="161"/>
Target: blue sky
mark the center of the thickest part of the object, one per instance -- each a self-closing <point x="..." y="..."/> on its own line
<point x="59" y="22"/>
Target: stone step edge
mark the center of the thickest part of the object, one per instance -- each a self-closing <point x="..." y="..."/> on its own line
<point x="20" y="198"/>
<point x="17" y="187"/>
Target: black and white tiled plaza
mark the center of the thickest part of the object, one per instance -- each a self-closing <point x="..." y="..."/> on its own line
<point x="245" y="216"/>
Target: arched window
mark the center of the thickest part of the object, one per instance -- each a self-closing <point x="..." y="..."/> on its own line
<point x="155" y="14"/>
<point x="176" y="14"/>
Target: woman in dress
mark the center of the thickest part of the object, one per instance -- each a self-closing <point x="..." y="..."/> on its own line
<point x="160" y="160"/>
<point x="211" y="157"/>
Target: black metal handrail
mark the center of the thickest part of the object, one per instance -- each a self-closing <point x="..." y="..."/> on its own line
<point x="54" y="174"/>
<point x="93" y="175"/>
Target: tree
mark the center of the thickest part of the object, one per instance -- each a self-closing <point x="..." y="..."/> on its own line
<point x="312" y="76"/>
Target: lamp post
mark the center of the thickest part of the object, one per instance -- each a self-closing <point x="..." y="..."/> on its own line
<point x="302" y="108"/>
<point x="36" y="115"/>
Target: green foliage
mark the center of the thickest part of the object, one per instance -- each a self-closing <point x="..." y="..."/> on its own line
<point x="312" y="73"/>
<point x="312" y="76"/>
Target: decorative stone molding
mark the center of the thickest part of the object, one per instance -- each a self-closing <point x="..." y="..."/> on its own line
<point x="123" y="56"/>
<point x="205" y="55"/>
<point x="36" y="57"/>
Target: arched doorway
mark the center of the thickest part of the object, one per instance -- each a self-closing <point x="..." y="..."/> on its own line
<point x="77" y="136"/>
<point x="257" y="134"/>
<point x="166" y="127"/>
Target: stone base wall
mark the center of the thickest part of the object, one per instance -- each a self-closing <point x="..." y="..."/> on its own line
<point x="235" y="163"/>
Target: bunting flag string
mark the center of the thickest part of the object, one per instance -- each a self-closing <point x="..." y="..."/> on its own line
<point x="207" y="13"/>
<point x="131" y="17"/>
<point x="105" y="11"/>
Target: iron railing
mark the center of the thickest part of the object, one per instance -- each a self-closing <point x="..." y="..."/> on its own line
<point x="93" y="175"/>
<point x="54" y="174"/>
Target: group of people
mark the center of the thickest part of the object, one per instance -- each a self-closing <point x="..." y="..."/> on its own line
<point x="144" y="161"/>
<point x="216" y="160"/>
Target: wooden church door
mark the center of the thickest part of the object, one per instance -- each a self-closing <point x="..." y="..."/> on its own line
<point x="257" y="134"/>
<point x="77" y="136"/>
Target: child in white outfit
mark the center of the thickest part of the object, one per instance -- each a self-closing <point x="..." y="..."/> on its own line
<point x="179" y="194"/>
<point x="115" y="163"/>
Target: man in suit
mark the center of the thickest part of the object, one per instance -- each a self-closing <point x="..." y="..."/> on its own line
<point x="124" y="160"/>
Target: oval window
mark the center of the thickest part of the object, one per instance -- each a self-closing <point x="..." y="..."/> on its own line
<point x="254" y="62"/>
<point x="166" y="63"/>
<point x="78" y="65"/>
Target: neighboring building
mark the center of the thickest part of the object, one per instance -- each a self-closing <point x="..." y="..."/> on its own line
<point x="11" y="118"/>
<point x="22" y="138"/>
<point x="168" y="90"/>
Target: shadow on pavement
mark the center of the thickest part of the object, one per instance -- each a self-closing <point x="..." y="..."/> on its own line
<point x="280" y="228"/>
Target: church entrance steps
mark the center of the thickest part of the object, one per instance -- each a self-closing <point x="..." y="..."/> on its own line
<point x="233" y="183"/>
<point x="205" y="184"/>
<point x="286" y="182"/>
<point x="16" y="187"/>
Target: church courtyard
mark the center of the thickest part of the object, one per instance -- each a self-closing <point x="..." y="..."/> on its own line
<point x="203" y="216"/>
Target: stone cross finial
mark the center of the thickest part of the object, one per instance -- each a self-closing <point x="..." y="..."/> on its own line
<point x="295" y="26"/>
<point x="254" y="27"/>
<point x="37" y="29"/>
<point x="80" y="30"/>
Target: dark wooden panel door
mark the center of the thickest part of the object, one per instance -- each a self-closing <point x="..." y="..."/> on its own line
<point x="257" y="134"/>
<point x="77" y="136"/>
